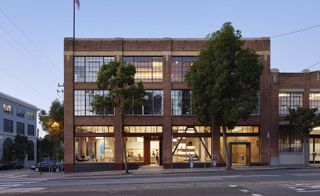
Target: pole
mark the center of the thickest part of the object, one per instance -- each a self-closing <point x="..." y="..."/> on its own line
<point x="40" y="141"/>
<point x="74" y="20"/>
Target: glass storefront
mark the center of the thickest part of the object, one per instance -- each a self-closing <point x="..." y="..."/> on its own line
<point x="135" y="150"/>
<point x="314" y="142"/>
<point x="184" y="148"/>
<point x="245" y="149"/>
<point x="94" y="149"/>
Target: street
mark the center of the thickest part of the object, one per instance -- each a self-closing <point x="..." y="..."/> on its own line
<point x="254" y="183"/>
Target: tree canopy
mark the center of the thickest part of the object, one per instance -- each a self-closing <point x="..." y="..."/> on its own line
<point x="303" y="119"/>
<point x="123" y="93"/>
<point x="53" y="121"/>
<point x="225" y="80"/>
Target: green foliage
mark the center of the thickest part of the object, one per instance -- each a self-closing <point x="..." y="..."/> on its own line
<point x="21" y="145"/>
<point x="303" y="119"/>
<point x="53" y="121"/>
<point x="225" y="79"/>
<point x="118" y="79"/>
<point x="124" y="93"/>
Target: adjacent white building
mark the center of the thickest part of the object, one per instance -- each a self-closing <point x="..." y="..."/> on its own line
<point x="17" y="117"/>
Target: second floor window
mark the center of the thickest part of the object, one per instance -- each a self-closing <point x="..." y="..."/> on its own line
<point x="30" y="130"/>
<point x="148" y="69"/>
<point x="20" y="128"/>
<point x="290" y="100"/>
<point x="153" y="104"/>
<point x="181" y="102"/>
<point x="83" y="100"/>
<point x="7" y="126"/>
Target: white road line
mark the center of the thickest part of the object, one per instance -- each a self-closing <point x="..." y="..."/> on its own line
<point x="233" y="185"/>
<point x="254" y="194"/>
<point x="244" y="190"/>
<point x="309" y="191"/>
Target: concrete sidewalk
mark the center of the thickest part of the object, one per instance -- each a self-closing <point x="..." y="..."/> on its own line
<point x="159" y="171"/>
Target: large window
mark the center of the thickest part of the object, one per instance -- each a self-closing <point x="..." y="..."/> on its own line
<point x="21" y="113"/>
<point x="83" y="102"/>
<point x="7" y="109"/>
<point x="30" y="131"/>
<point x="94" y="129"/>
<point x="135" y="150"/>
<point x="7" y="126"/>
<point x="94" y="149"/>
<point x="148" y="69"/>
<point x="186" y="148"/>
<point x="31" y="116"/>
<point x="86" y="68"/>
<point x="314" y="100"/>
<point x="152" y="105"/>
<point x="180" y="67"/>
<point x="243" y="129"/>
<point x="193" y="129"/>
<point x="143" y="129"/>
<point x="289" y="140"/>
<point x="291" y="100"/>
<point x="181" y="102"/>
<point x="20" y="128"/>
<point x="256" y="111"/>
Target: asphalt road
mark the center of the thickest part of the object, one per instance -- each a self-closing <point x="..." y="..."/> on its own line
<point x="253" y="183"/>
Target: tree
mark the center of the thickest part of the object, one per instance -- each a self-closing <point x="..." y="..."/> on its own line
<point x="124" y="93"/>
<point x="302" y="120"/>
<point x="225" y="81"/>
<point x="53" y="123"/>
<point x="21" y="145"/>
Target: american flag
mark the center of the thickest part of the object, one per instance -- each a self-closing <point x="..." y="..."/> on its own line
<point x="77" y="2"/>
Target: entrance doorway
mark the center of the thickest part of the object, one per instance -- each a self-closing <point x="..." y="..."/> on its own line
<point x="152" y="151"/>
<point x="240" y="153"/>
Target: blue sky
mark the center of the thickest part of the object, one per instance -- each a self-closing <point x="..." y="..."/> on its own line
<point x="32" y="73"/>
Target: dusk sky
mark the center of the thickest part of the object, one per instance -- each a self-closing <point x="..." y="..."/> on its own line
<point x="32" y="33"/>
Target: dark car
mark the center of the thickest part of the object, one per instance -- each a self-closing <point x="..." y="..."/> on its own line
<point x="48" y="165"/>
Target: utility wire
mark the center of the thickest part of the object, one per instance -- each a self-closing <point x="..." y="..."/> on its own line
<point x="24" y="83"/>
<point x="313" y="65"/>
<point x="296" y="31"/>
<point x="29" y="40"/>
<point x="29" y="53"/>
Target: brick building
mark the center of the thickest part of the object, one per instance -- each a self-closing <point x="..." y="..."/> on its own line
<point x="164" y="131"/>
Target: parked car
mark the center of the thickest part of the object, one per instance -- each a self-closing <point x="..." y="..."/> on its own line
<point x="48" y="165"/>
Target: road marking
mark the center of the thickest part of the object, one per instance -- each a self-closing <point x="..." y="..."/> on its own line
<point x="254" y="194"/>
<point x="244" y="190"/>
<point x="233" y="185"/>
<point x="304" y="187"/>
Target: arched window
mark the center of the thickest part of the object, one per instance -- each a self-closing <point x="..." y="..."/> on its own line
<point x="7" y="150"/>
<point x="30" y="151"/>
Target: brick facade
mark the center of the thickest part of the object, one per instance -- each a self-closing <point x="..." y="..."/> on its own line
<point x="166" y="47"/>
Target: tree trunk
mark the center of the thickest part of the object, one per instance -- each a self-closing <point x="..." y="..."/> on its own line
<point x="225" y="144"/>
<point x="306" y="148"/>
<point x="124" y="150"/>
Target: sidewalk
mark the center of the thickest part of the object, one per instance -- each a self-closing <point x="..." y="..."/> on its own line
<point x="159" y="171"/>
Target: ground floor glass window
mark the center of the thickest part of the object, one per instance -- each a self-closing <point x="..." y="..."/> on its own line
<point x="185" y="147"/>
<point x="245" y="149"/>
<point x="135" y="150"/>
<point x="94" y="149"/>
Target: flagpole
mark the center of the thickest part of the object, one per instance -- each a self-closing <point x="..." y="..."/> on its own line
<point x="74" y="23"/>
